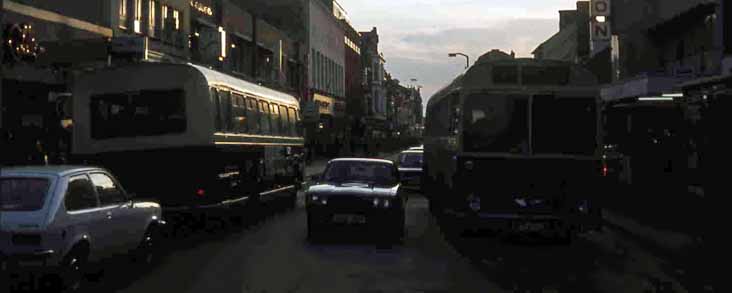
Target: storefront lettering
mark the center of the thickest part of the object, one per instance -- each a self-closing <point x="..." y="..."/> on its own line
<point x="202" y="8"/>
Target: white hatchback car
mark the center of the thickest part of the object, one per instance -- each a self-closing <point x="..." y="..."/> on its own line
<point x="61" y="218"/>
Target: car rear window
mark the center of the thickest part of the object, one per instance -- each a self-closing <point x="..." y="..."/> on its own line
<point x="22" y="194"/>
<point x="410" y="160"/>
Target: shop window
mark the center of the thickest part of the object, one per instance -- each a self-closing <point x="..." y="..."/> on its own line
<point x="138" y="16"/>
<point x="123" y="14"/>
<point x="152" y="18"/>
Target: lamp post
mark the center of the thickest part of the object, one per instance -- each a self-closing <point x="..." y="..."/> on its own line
<point x="467" y="58"/>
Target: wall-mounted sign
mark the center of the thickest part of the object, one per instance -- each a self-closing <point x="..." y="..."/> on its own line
<point x="600" y="32"/>
<point x="600" y="8"/>
<point x="325" y="104"/>
<point x="203" y="8"/>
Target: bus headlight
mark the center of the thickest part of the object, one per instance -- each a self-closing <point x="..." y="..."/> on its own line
<point x="469" y="165"/>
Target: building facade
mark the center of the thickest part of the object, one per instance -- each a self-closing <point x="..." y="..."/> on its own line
<point x="375" y="80"/>
<point x="51" y="42"/>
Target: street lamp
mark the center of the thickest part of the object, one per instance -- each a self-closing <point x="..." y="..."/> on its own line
<point x="467" y="58"/>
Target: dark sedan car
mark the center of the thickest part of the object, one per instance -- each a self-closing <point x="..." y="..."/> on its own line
<point x="356" y="194"/>
<point x="410" y="168"/>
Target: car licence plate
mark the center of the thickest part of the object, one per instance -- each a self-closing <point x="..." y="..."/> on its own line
<point x="530" y="227"/>
<point x="349" y="219"/>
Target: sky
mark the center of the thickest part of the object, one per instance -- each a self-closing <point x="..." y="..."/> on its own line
<point x="416" y="35"/>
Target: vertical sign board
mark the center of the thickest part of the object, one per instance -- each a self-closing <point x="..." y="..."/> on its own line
<point x="599" y="23"/>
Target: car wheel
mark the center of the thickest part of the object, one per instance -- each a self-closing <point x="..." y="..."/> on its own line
<point x="146" y="252"/>
<point x="74" y="266"/>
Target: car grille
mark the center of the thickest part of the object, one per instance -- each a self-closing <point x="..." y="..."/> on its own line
<point x="350" y="203"/>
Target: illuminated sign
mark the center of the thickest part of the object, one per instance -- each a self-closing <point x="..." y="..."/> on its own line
<point x="202" y="8"/>
<point x="324" y="103"/>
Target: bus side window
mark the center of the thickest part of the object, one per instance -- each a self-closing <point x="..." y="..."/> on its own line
<point x="240" y="114"/>
<point x="253" y="116"/>
<point x="264" y="117"/>
<point x="284" y="121"/>
<point x="217" y="109"/>
<point x="293" y="119"/>
<point x="274" y="114"/>
<point x="454" y="113"/>
<point x="298" y="127"/>
<point x="225" y="111"/>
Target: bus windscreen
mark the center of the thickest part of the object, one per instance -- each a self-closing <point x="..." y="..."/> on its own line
<point x="496" y="123"/>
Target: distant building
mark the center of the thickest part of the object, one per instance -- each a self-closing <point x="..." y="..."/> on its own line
<point x="375" y="76"/>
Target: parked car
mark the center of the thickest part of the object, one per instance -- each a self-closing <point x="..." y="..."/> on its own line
<point x="417" y="148"/>
<point x="356" y="193"/>
<point x="61" y="219"/>
<point x="410" y="168"/>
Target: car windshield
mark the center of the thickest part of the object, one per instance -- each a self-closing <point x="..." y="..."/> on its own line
<point x="22" y="194"/>
<point x="410" y="160"/>
<point x="358" y="171"/>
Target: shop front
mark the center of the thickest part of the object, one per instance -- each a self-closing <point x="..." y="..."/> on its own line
<point x="42" y="53"/>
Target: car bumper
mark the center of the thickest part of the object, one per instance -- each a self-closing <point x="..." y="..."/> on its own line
<point x="511" y="222"/>
<point x="39" y="260"/>
<point x="321" y="215"/>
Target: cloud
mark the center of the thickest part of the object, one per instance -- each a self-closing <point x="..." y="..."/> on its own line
<point x="423" y="55"/>
<point x="416" y="35"/>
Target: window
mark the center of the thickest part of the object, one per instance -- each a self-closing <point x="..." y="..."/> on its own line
<point x="505" y="74"/>
<point x="284" y="122"/>
<point x="152" y="18"/>
<point x="545" y="75"/>
<point x="80" y="194"/>
<point x="264" y="117"/>
<point x="360" y="171"/>
<point x="123" y="14"/>
<point x="108" y="191"/>
<point x="275" y="113"/>
<point x="565" y="135"/>
<point x="241" y="121"/>
<point x="253" y="116"/>
<point x="23" y="194"/>
<point x="225" y="111"/>
<point x="176" y="19"/>
<point x="164" y="18"/>
<point x="138" y="16"/>
<point x="144" y="113"/>
<point x="494" y="123"/>
<point x="293" y="121"/>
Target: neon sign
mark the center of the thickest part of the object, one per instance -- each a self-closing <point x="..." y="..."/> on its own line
<point x="202" y="8"/>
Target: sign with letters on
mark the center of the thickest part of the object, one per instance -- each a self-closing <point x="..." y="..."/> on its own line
<point x="600" y="20"/>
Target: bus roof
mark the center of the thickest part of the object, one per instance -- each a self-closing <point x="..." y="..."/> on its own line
<point x="217" y="78"/>
<point x="475" y="77"/>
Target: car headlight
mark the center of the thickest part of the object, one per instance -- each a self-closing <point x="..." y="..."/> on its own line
<point x="319" y="200"/>
<point x="376" y="202"/>
<point x="387" y="203"/>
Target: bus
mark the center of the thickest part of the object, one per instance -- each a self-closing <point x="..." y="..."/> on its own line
<point x="194" y="139"/>
<point x="512" y="145"/>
